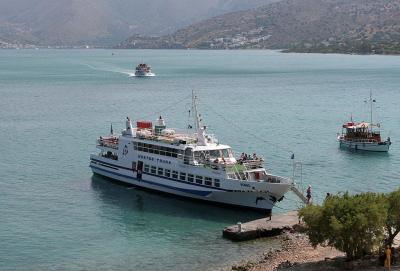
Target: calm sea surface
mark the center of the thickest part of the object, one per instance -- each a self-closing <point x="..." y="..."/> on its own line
<point x="54" y="215"/>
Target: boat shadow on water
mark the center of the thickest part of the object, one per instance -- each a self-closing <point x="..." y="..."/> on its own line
<point x="363" y="153"/>
<point x="136" y="199"/>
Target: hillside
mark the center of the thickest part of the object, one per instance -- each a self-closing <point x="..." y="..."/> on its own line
<point x="103" y="22"/>
<point x="359" y="26"/>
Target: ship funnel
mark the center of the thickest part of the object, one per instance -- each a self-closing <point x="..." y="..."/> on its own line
<point x="161" y="121"/>
<point x="129" y="128"/>
<point x="160" y="126"/>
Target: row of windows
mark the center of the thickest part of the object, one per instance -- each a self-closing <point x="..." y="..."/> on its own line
<point x="166" y="151"/>
<point x="181" y="176"/>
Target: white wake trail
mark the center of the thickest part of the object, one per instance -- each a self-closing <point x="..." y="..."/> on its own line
<point x="112" y="69"/>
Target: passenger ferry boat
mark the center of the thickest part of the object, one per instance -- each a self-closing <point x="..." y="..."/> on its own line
<point x="143" y="70"/>
<point x="193" y="165"/>
<point x="363" y="136"/>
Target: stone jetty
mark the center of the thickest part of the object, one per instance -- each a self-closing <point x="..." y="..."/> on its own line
<point x="262" y="227"/>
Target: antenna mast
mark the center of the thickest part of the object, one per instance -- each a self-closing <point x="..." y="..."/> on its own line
<point x="370" y="101"/>
<point x="200" y="130"/>
<point x="195" y="114"/>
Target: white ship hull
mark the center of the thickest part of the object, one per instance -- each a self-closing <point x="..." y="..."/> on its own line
<point x="263" y="201"/>
<point x="191" y="165"/>
<point x="365" y="146"/>
<point x="144" y="74"/>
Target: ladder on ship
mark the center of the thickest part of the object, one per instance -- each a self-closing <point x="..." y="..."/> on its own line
<point x="294" y="187"/>
<point x="299" y="193"/>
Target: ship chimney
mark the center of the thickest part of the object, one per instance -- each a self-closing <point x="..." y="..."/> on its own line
<point x="160" y="126"/>
<point x="129" y="128"/>
<point x="161" y="121"/>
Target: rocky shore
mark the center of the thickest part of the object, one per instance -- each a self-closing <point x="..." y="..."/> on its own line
<point x="297" y="254"/>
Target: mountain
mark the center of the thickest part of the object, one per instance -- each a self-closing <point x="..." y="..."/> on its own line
<point x="360" y="26"/>
<point x="103" y="22"/>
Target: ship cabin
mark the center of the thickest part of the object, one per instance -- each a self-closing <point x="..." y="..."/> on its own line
<point x="360" y="132"/>
<point x="180" y="147"/>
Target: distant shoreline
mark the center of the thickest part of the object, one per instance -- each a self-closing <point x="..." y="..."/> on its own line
<point x="285" y="51"/>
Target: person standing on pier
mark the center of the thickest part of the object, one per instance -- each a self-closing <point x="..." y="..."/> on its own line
<point x="309" y="194"/>
<point x="388" y="254"/>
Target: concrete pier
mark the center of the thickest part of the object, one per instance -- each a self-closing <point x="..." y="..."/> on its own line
<point x="262" y="227"/>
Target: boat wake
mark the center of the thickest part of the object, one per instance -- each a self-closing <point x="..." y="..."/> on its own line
<point x="112" y="69"/>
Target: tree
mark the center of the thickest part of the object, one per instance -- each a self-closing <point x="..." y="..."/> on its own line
<point x="354" y="224"/>
<point x="393" y="218"/>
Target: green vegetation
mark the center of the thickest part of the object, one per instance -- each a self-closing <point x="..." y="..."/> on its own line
<point x="393" y="218"/>
<point x="355" y="224"/>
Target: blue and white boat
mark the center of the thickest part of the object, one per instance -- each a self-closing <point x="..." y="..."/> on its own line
<point x="192" y="165"/>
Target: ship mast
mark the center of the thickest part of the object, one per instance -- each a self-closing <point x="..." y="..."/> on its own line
<point x="200" y="129"/>
<point x="370" y="102"/>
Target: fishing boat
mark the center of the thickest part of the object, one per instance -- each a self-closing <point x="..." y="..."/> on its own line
<point x="363" y="136"/>
<point x="190" y="163"/>
<point x="143" y="70"/>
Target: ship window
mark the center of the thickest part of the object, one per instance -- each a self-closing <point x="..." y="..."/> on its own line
<point x="182" y="176"/>
<point x="167" y="173"/>
<point x="208" y="181"/>
<point x="232" y="176"/>
<point x="199" y="179"/>
<point x="214" y="153"/>
<point x="146" y="168"/>
<point x="190" y="178"/>
<point x="160" y="171"/>
<point x="156" y="149"/>
<point x="153" y="170"/>
<point x="162" y="151"/>
<point x="216" y="183"/>
<point x="225" y="153"/>
<point x="135" y="145"/>
<point x="175" y="174"/>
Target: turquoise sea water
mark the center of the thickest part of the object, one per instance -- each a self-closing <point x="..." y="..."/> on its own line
<point x="54" y="215"/>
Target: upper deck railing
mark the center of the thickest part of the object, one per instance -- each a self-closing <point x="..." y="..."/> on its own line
<point x="108" y="143"/>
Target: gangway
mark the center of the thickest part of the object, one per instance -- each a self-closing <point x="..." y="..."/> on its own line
<point x="294" y="188"/>
<point x="299" y="193"/>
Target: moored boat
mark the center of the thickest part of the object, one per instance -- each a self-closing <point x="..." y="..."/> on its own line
<point x="364" y="136"/>
<point x="189" y="164"/>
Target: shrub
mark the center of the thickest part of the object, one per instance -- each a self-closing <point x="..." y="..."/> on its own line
<point x="393" y="218"/>
<point x="354" y="224"/>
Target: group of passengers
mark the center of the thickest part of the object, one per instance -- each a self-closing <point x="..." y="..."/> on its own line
<point x="247" y="157"/>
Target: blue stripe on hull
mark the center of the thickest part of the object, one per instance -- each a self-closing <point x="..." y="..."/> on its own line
<point x="104" y="164"/>
<point x="189" y="191"/>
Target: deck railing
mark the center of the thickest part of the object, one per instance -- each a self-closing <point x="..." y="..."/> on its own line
<point x="107" y="144"/>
